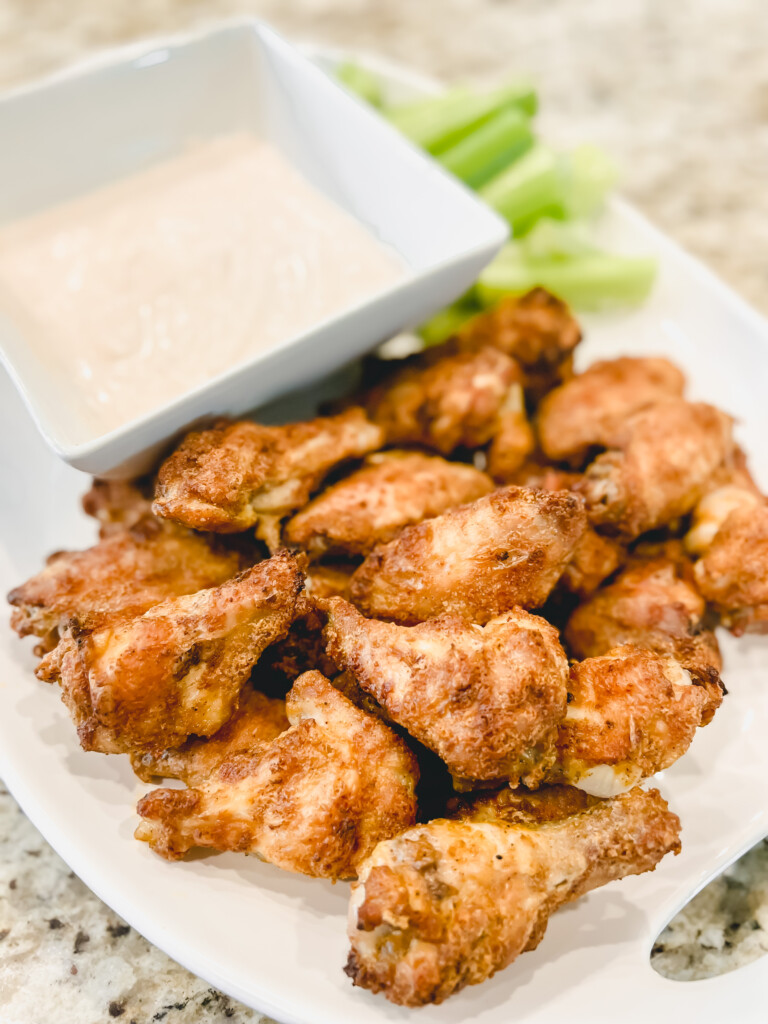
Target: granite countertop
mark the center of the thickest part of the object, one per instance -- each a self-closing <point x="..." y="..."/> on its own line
<point x="679" y="93"/>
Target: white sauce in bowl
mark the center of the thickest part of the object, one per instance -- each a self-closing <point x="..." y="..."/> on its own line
<point x="141" y="291"/>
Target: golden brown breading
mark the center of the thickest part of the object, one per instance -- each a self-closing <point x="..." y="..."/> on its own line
<point x="537" y="329"/>
<point x="241" y="475"/>
<point x="714" y="508"/>
<point x="587" y="410"/>
<point x="119" y="578"/>
<point x="178" y="669"/>
<point x="651" y="604"/>
<point x="258" y="720"/>
<point x="733" y="572"/>
<point x="522" y="806"/>
<point x="371" y="506"/>
<point x="328" y="580"/>
<point x="660" y="465"/>
<point x="594" y="559"/>
<point x="447" y="904"/>
<point x="513" y="441"/>
<point x="631" y="713"/>
<point x="317" y="800"/>
<point x="445" y="399"/>
<point x="488" y="700"/>
<point x="118" y="504"/>
<point x="536" y="473"/>
<point x="478" y="561"/>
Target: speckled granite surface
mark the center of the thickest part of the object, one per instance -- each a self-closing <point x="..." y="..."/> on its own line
<point x="679" y="93"/>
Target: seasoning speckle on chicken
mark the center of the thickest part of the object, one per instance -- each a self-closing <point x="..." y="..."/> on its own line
<point x="488" y="700"/>
<point x="477" y="561"/>
<point x="317" y="800"/>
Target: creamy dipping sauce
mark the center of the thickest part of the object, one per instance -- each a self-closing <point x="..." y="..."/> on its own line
<point x="155" y="284"/>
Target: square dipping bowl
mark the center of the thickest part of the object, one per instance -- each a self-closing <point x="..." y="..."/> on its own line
<point x="119" y="114"/>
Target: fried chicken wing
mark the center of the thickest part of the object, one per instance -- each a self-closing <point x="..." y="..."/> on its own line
<point x="660" y="464"/>
<point x="119" y="578"/>
<point x="371" y="506"/>
<point x="651" y="604"/>
<point x="488" y="700"/>
<point x="477" y="561"/>
<point x="513" y="440"/>
<point x="631" y="713"/>
<point x="587" y="410"/>
<point x="241" y="475"/>
<point x="316" y="801"/>
<point x="444" y="399"/>
<point x="178" y="669"/>
<point x="594" y="559"/>
<point x="118" y="504"/>
<point x="447" y="904"/>
<point x="537" y="329"/>
<point x="257" y="722"/>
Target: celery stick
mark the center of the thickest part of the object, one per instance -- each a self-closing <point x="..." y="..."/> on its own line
<point x="530" y="188"/>
<point x="489" y="148"/>
<point x="590" y="281"/>
<point x="447" y="119"/>
<point x="589" y="175"/>
<point x="403" y="114"/>
<point x="444" y="324"/>
<point x="555" y="238"/>
<point x="362" y="82"/>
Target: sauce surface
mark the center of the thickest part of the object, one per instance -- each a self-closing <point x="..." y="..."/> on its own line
<point x="147" y="288"/>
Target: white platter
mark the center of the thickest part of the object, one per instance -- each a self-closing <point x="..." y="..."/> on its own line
<point x="276" y="941"/>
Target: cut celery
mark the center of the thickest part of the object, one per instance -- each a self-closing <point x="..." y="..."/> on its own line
<point x="554" y="238"/>
<point x="594" y="280"/>
<point x="489" y="148"/>
<point x="530" y="188"/>
<point x="589" y="174"/>
<point x="362" y="82"/>
<point x="446" y="323"/>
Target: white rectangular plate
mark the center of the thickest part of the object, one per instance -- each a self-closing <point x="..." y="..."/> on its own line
<point x="276" y="941"/>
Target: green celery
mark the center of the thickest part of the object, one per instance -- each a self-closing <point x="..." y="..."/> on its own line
<point x="362" y="82"/>
<point x="589" y="174"/>
<point x="489" y="148"/>
<point x="446" y="323"/>
<point x="530" y="188"/>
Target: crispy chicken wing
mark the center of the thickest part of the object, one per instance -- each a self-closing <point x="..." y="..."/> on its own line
<point x="652" y="604"/>
<point x="447" y="904"/>
<point x="241" y="475"/>
<point x="660" y="464"/>
<point x="537" y="329"/>
<point x="119" y="578"/>
<point x="488" y="700"/>
<point x="118" y="504"/>
<point x="587" y="410"/>
<point x="631" y="713"/>
<point x="258" y="720"/>
<point x="513" y="440"/>
<point x="372" y="505"/>
<point x="178" y="669"/>
<point x="317" y="800"/>
<point x="505" y="549"/>
<point x="445" y="399"/>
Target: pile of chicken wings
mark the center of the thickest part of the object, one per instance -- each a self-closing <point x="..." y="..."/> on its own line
<point x="432" y="641"/>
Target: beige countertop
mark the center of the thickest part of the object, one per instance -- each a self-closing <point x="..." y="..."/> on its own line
<point x="679" y="93"/>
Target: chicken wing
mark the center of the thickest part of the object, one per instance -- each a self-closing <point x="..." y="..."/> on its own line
<point x="118" y="504"/>
<point x="449" y="903"/>
<point x="119" y="578"/>
<point x="178" y="669"/>
<point x="588" y="410"/>
<point x="488" y="700"/>
<point x="631" y="713"/>
<point x="317" y="800"/>
<point x="241" y="475"/>
<point x="372" y="505"/>
<point x="444" y="399"/>
<point x="477" y="561"/>
<point x="257" y="722"/>
<point x="537" y="329"/>
<point x="513" y="440"/>
<point x="660" y="465"/>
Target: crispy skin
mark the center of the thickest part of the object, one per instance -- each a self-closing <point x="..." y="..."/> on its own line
<point x="241" y="475"/>
<point x="257" y="722"/>
<point x="714" y="508"/>
<point x="652" y="604"/>
<point x="178" y="669"/>
<point x="513" y="441"/>
<point x="660" y="464"/>
<point x="478" y="561"/>
<point x="444" y="399"/>
<point x="117" y="579"/>
<point x="537" y="329"/>
<point x="733" y="572"/>
<point x="631" y="713"/>
<point x="118" y="504"/>
<point x="522" y="806"/>
<point x="488" y="700"/>
<point x="371" y="506"/>
<point x="587" y="410"/>
<point x="594" y="559"/>
<point x="449" y="903"/>
<point x="317" y="800"/>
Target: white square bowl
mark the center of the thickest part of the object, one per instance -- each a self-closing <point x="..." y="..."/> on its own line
<point x="113" y="117"/>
